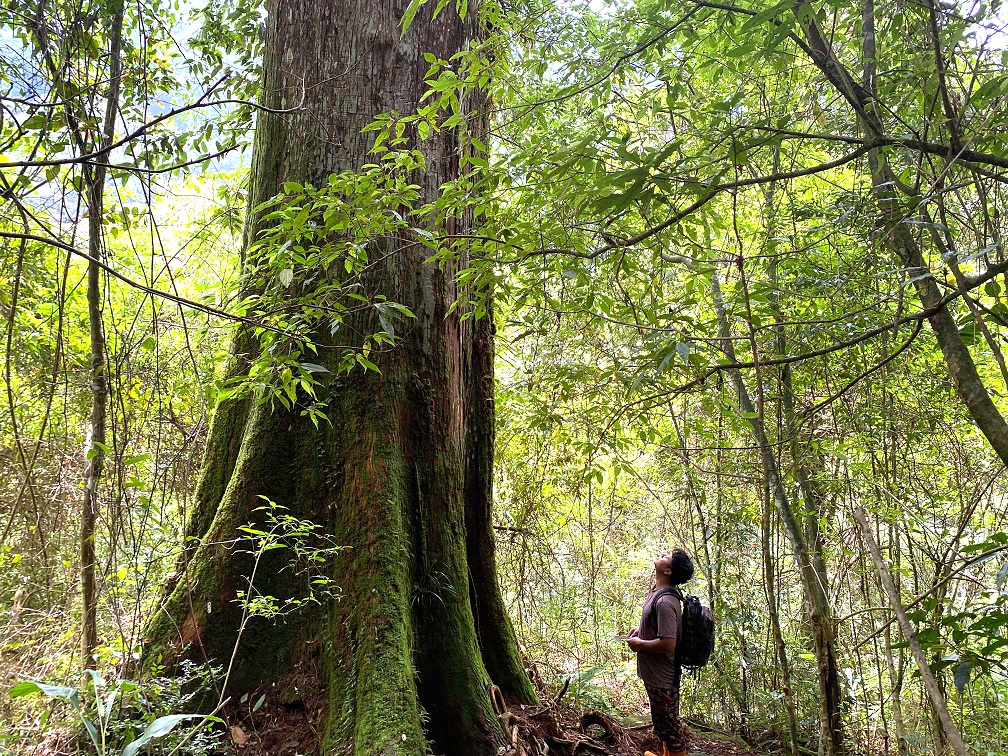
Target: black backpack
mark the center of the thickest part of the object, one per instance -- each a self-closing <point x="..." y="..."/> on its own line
<point x="695" y="643"/>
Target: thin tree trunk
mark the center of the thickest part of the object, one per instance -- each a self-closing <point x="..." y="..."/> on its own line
<point x="94" y="179"/>
<point x="896" y="681"/>
<point x="780" y="648"/>
<point x="934" y="691"/>
<point x="817" y="601"/>
<point x="767" y="522"/>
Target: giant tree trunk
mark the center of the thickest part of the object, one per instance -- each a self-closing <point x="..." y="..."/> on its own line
<point x="401" y="475"/>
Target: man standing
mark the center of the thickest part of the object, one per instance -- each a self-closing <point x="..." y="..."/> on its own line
<point x="654" y="643"/>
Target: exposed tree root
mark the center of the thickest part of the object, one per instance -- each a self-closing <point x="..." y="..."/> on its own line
<point x="543" y="732"/>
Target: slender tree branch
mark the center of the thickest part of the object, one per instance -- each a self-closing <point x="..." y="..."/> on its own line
<point x="937" y="149"/>
<point x="971" y="283"/>
<point x="209" y="309"/>
<point x="712" y="191"/>
<point x="92" y="157"/>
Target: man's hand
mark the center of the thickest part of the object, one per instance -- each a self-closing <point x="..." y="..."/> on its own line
<point x="633" y="633"/>
<point x="656" y="646"/>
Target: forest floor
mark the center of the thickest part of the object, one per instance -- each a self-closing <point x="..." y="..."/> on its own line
<point x="557" y="730"/>
<point x="559" y="727"/>
<point x="565" y="735"/>
<point x="700" y="745"/>
<point x="563" y="729"/>
<point x="609" y="738"/>
<point x="284" y="733"/>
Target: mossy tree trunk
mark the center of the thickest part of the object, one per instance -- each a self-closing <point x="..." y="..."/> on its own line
<point x="401" y="475"/>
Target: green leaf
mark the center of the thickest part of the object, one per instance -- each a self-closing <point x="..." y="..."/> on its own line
<point x="962" y="675"/>
<point x="411" y="11"/>
<point x="92" y="731"/>
<point x="53" y="691"/>
<point x="35" y="122"/>
<point x="311" y="367"/>
<point x="765" y="15"/>
<point x="156" y="729"/>
<point x="366" y="363"/>
<point x="300" y="219"/>
<point x="970" y="332"/>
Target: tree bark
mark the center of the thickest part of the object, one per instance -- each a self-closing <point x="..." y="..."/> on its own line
<point x="94" y="180"/>
<point x="493" y="625"/>
<point x="402" y="474"/>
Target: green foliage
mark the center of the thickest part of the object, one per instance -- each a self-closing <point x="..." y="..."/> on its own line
<point x="113" y="716"/>
<point x="587" y="693"/>
<point x="310" y="552"/>
<point x="305" y="274"/>
<point x="632" y="152"/>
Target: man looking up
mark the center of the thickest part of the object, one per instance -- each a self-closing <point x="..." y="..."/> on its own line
<point x="654" y="642"/>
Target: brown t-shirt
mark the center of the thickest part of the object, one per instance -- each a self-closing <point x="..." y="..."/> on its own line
<point x="659" y="670"/>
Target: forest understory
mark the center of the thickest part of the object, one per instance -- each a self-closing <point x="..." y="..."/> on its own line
<point x="359" y="358"/>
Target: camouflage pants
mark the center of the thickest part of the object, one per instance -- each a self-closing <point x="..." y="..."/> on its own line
<point x="665" y="717"/>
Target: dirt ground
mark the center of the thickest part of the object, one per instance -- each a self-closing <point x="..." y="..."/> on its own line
<point x="552" y="731"/>
<point x="635" y="741"/>
<point x="701" y="745"/>
<point x="292" y="728"/>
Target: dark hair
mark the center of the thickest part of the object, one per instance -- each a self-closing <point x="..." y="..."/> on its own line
<point x="681" y="567"/>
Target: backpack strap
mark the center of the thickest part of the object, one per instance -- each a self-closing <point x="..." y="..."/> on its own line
<point x="661" y="593"/>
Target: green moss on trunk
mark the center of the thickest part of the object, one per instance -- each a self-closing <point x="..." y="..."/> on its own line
<point x="202" y="616"/>
<point x="369" y="645"/>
